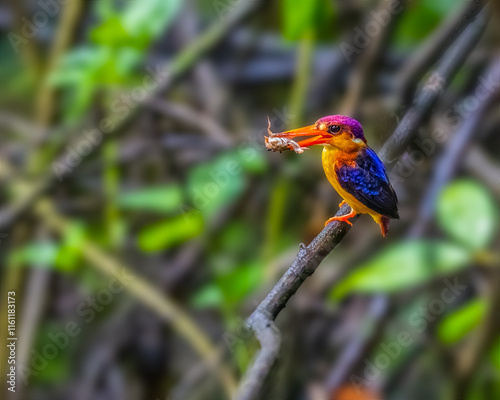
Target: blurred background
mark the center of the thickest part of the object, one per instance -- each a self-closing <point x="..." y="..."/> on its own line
<point x="142" y="220"/>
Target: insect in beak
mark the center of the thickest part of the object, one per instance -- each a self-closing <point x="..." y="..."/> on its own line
<point x="282" y="141"/>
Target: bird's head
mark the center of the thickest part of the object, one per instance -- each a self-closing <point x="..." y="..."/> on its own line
<point x="335" y="130"/>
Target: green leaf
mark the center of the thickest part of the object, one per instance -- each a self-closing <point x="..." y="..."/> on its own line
<point x="239" y="282"/>
<point x="458" y="324"/>
<point x="57" y="368"/>
<point x="77" y="65"/>
<point x="161" y="199"/>
<point x="495" y="354"/>
<point x="37" y="254"/>
<point x="111" y="33"/>
<point x="170" y="232"/>
<point x="410" y="31"/>
<point x="137" y="25"/>
<point x="235" y="239"/>
<point x="149" y="19"/>
<point x="209" y="296"/>
<point x="118" y="44"/>
<point x="215" y="185"/>
<point x="69" y="254"/>
<point x="304" y="17"/>
<point x="252" y="160"/>
<point x="468" y="213"/>
<point x="80" y="70"/>
<point x="403" y="265"/>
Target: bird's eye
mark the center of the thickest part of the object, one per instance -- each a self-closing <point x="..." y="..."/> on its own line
<point x="334" y="129"/>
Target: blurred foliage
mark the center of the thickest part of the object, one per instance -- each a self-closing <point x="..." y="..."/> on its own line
<point x="495" y="354"/>
<point x="410" y="263"/>
<point x="422" y="19"/>
<point x="173" y="231"/>
<point x="458" y="324"/>
<point x="313" y="17"/>
<point x="230" y="287"/>
<point x="216" y="184"/>
<point x="245" y="209"/>
<point x="69" y="254"/>
<point x="404" y="265"/>
<point x="35" y="254"/>
<point x="467" y="212"/>
<point x="118" y="44"/>
<point x="51" y="372"/>
<point x="160" y="199"/>
<point x="211" y="186"/>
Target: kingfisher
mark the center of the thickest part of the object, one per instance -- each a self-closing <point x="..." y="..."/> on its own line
<point x="351" y="166"/>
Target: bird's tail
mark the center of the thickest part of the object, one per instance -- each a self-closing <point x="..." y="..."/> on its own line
<point x="384" y="225"/>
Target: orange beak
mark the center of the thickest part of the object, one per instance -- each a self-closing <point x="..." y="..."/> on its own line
<point x="318" y="137"/>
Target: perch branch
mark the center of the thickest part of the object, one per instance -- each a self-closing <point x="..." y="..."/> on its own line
<point x="308" y="258"/>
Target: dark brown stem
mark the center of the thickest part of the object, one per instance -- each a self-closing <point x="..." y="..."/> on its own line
<point x="432" y="49"/>
<point x="447" y="164"/>
<point x="450" y="63"/>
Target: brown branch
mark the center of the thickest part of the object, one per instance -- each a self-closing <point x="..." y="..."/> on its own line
<point x="308" y="258"/>
<point x="453" y="154"/>
<point x="432" y="49"/>
<point x="450" y="63"/>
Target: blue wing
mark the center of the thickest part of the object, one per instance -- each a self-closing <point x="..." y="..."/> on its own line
<point x="368" y="182"/>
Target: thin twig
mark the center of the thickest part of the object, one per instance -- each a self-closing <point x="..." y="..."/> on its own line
<point x="433" y="48"/>
<point x="193" y="118"/>
<point x="64" y="34"/>
<point x="450" y="63"/>
<point x="308" y="258"/>
<point x="447" y="164"/>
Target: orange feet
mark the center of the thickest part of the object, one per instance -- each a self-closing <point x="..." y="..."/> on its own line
<point x="342" y="218"/>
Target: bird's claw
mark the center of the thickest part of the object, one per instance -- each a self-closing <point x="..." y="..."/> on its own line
<point x="342" y="218"/>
